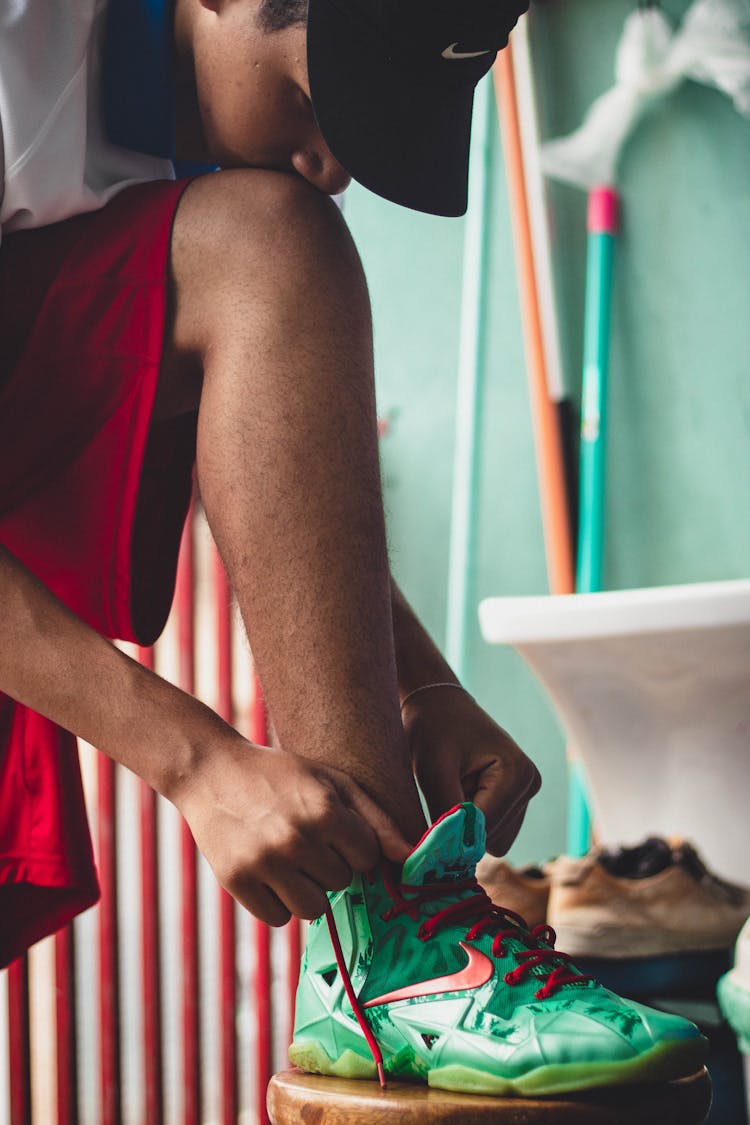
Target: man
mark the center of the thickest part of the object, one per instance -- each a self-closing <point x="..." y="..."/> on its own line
<point x="147" y="322"/>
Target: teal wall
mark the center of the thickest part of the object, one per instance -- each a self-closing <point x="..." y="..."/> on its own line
<point x="678" y="506"/>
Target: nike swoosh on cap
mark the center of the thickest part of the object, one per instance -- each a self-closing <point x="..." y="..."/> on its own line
<point x="452" y="53"/>
<point x="473" y="975"/>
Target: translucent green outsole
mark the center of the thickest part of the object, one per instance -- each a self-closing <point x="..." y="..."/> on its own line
<point x="313" y="1057"/>
<point x="663" y="1063"/>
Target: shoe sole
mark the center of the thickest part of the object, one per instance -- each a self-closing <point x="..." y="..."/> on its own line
<point x="662" y="1063"/>
<point x="617" y="943"/>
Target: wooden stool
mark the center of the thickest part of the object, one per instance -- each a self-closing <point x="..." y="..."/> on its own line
<point x="296" y="1098"/>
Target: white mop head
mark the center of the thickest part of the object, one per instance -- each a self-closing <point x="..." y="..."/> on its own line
<point x="712" y="47"/>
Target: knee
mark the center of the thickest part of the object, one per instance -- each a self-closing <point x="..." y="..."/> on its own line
<point x="258" y="236"/>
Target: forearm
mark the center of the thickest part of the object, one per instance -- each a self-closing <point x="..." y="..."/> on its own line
<point x="418" y="659"/>
<point x="55" y="664"/>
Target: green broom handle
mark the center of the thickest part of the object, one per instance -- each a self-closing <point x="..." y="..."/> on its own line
<point x="602" y="228"/>
<point x="602" y="224"/>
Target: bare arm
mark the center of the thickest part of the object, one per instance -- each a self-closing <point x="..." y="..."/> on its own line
<point x="55" y="664"/>
<point x="418" y="659"/>
<point x="276" y="830"/>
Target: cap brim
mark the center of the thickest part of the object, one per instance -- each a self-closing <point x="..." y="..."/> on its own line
<point x="396" y="132"/>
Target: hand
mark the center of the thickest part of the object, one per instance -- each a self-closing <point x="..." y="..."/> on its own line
<point x="279" y="831"/>
<point x="460" y="754"/>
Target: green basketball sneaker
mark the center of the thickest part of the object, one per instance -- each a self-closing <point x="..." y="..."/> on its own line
<point x="417" y="974"/>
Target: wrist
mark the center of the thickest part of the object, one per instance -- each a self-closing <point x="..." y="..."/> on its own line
<point x="418" y="659"/>
<point x="164" y="735"/>
<point x="425" y="689"/>
<point x="194" y="778"/>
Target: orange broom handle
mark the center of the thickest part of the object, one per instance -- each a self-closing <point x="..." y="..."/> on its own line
<point x="556" y="523"/>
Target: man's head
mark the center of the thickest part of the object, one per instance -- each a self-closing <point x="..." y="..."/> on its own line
<point x="242" y="80"/>
<point x="381" y="88"/>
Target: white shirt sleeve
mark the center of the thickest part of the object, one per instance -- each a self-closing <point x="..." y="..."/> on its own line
<point x="56" y="159"/>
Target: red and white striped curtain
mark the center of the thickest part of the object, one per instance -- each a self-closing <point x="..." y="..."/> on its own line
<point x="167" y="1002"/>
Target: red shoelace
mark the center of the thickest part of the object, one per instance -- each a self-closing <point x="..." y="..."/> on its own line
<point x="486" y="917"/>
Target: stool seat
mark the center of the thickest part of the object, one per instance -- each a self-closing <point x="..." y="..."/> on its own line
<point x="295" y="1097"/>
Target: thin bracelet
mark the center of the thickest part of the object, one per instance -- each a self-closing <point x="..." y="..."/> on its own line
<point x="429" y="687"/>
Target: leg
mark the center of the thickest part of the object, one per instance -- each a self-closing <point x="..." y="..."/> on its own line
<point x="271" y="307"/>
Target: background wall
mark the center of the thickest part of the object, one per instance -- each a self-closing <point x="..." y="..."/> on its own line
<point x="679" y="455"/>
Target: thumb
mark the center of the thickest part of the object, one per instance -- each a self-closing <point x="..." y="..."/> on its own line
<point x="393" y="843"/>
<point x="442" y="790"/>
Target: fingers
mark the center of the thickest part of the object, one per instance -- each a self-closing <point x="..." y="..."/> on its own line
<point x="352" y="837"/>
<point x="261" y="901"/>
<point x="299" y="864"/>
<point x="329" y="870"/>
<point x="310" y="828"/>
<point x="301" y="895"/>
<point x="504" y="810"/>
<point x="501" y="840"/>
<point x="388" y="838"/>
<point x="286" y="893"/>
<point x="442" y="790"/>
<point x="297" y="872"/>
<point x="489" y="792"/>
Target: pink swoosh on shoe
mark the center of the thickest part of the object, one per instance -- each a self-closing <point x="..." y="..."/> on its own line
<point x="476" y="973"/>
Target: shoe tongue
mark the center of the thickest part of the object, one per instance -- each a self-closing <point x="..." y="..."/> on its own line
<point x="449" y="850"/>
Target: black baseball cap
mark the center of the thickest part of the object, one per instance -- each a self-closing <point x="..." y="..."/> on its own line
<point x="392" y="86"/>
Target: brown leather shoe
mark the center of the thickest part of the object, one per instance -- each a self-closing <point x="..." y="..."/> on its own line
<point x="524" y="890"/>
<point x="650" y="901"/>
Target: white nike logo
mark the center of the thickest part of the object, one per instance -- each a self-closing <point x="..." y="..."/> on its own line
<point x="475" y="973"/>
<point x="452" y="53"/>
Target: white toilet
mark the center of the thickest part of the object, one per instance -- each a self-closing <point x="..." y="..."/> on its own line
<point x="652" y="687"/>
